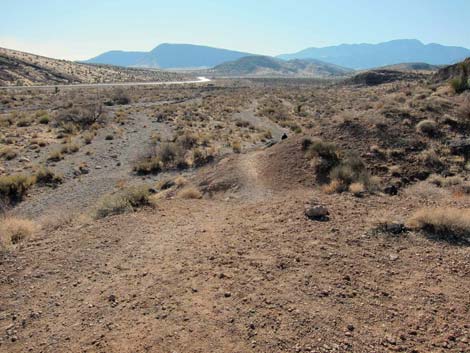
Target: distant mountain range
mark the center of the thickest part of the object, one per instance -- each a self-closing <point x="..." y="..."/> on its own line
<point x="269" y="66"/>
<point x="170" y="56"/>
<point x="353" y="56"/>
<point x="367" y="56"/>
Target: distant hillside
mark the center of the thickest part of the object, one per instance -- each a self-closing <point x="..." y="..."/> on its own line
<point x="268" y="66"/>
<point x="24" y="69"/>
<point x="412" y="67"/>
<point x="170" y="56"/>
<point x="366" y="56"/>
<point x="382" y="76"/>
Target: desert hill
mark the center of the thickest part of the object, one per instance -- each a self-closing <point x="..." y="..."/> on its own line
<point x="25" y="69"/>
<point x="269" y="66"/>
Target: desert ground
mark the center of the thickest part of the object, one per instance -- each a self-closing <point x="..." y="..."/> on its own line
<point x="237" y="215"/>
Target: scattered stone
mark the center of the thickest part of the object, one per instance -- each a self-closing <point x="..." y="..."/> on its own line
<point x="227" y="294"/>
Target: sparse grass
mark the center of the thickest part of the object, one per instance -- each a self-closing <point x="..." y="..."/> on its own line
<point x="55" y="156"/>
<point x="449" y="224"/>
<point x="123" y="201"/>
<point x="14" y="231"/>
<point x="190" y="192"/>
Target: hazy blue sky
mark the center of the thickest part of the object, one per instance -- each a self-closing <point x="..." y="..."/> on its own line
<point x="78" y="29"/>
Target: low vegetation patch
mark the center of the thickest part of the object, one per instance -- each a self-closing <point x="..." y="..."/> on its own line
<point x="449" y="224"/>
<point x="337" y="171"/>
<point x="123" y="201"/>
<point x="427" y="127"/>
<point x="190" y="192"/>
<point x="13" y="188"/>
<point x="14" y="231"/>
<point x="8" y="153"/>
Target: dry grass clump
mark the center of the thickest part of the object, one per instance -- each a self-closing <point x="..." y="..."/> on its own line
<point x="45" y="176"/>
<point x="427" y="127"/>
<point x="8" y="153"/>
<point x="14" y="231"/>
<point x="446" y="223"/>
<point x="55" y="155"/>
<point x="123" y="201"/>
<point x="444" y="182"/>
<point x="190" y="192"/>
<point x="14" y="187"/>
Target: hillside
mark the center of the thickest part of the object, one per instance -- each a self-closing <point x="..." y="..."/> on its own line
<point x="453" y="71"/>
<point x="25" y="69"/>
<point x="170" y="56"/>
<point x="269" y="66"/>
<point x="366" y="56"/>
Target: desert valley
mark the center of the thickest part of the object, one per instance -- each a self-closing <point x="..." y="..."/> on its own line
<point x="276" y="205"/>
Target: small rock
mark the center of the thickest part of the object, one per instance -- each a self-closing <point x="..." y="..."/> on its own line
<point x="317" y="212"/>
<point x="394" y="257"/>
<point x="227" y="294"/>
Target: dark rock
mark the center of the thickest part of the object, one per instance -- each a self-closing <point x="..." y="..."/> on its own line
<point x="317" y="212"/>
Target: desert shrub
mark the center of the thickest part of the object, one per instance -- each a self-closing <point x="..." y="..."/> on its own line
<point x="81" y="118"/>
<point x="44" y="120"/>
<point x="427" y="127"/>
<point x="70" y="147"/>
<point x="187" y="141"/>
<point x="148" y="166"/>
<point x="125" y="200"/>
<point x="464" y="113"/>
<point x="327" y="155"/>
<point x="190" y="192"/>
<point x="357" y="189"/>
<point x="88" y="137"/>
<point x="8" y="153"/>
<point x="441" y="181"/>
<point x="236" y="146"/>
<point x="169" y="152"/>
<point x="458" y="84"/>
<point x="13" y="188"/>
<point x="431" y="159"/>
<point x="109" y="137"/>
<point x="350" y="170"/>
<point x="449" y="224"/>
<point x="119" y="97"/>
<point x="55" y="156"/>
<point x="23" y="122"/>
<point x="45" y="176"/>
<point x="201" y="158"/>
<point x="14" y="231"/>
